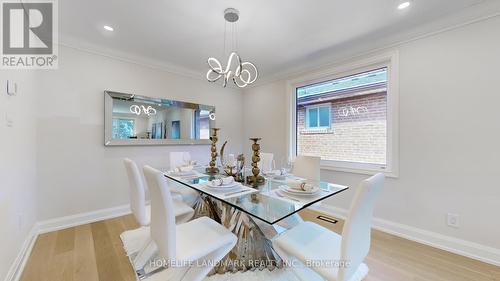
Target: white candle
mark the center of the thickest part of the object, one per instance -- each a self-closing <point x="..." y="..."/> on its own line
<point x="230" y="160"/>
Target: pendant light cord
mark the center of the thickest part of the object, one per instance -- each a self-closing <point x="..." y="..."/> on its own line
<point x="232" y="37"/>
<point x="224" y="43"/>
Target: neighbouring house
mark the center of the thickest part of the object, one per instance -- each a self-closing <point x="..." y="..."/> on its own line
<point x="344" y="119"/>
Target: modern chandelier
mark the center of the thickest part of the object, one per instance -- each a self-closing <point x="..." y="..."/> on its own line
<point x="242" y="73"/>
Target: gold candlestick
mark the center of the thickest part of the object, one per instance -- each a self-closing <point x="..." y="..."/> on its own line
<point x="255" y="179"/>
<point x="212" y="168"/>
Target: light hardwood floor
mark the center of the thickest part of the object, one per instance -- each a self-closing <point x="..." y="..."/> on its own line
<point x="93" y="252"/>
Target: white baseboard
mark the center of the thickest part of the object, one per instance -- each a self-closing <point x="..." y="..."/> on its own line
<point x="461" y="247"/>
<point x="82" y="218"/>
<point x="454" y="245"/>
<point x="17" y="267"/>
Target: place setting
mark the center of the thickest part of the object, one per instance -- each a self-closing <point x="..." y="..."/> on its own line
<point x="298" y="191"/>
<point x="186" y="171"/>
<point x="271" y="172"/>
<point x="281" y="176"/>
<point x="276" y="175"/>
<point x="225" y="187"/>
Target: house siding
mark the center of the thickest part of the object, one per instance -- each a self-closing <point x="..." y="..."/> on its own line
<point x="358" y="130"/>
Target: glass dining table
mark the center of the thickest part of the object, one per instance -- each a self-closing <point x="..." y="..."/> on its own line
<point x="254" y="213"/>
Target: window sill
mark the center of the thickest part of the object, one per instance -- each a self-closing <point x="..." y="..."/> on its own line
<point x="316" y="131"/>
<point x="389" y="174"/>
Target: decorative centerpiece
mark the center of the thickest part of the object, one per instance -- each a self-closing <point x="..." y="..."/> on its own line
<point x="212" y="167"/>
<point x="255" y="179"/>
<point x="240" y="164"/>
<point x="232" y="166"/>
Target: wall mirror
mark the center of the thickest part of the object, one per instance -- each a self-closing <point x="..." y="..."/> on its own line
<point x="139" y="120"/>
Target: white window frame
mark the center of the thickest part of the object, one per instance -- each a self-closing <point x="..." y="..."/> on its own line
<point x="389" y="60"/>
<point x="307" y="108"/>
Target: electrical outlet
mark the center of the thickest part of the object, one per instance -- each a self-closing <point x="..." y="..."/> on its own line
<point x="453" y="220"/>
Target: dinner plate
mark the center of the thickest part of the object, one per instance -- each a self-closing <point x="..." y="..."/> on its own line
<point x="235" y="187"/>
<point x="225" y="186"/>
<point x="183" y="174"/>
<point x="271" y="173"/>
<point x="293" y="191"/>
<point x="293" y="177"/>
<point x="279" y="178"/>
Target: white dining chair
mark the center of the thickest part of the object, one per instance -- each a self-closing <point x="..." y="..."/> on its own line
<point x="137" y="193"/>
<point x="266" y="162"/>
<point x="311" y="242"/>
<point x="140" y="209"/>
<point x="307" y="167"/>
<point x="189" y="196"/>
<point x="196" y="245"/>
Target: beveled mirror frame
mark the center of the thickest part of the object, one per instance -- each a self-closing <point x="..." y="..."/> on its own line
<point x="108" y="121"/>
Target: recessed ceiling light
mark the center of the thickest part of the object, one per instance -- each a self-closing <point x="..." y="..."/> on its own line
<point x="108" y="28"/>
<point x="404" y="5"/>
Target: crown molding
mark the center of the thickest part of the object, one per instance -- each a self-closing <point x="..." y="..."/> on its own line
<point x="478" y="13"/>
<point x="130" y="58"/>
<point x="337" y="54"/>
<point x="138" y="60"/>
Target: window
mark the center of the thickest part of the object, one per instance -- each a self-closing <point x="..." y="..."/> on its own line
<point x="123" y="128"/>
<point x="359" y="104"/>
<point x="202" y="125"/>
<point x="318" y="117"/>
<point x="347" y="118"/>
<point x="176" y="130"/>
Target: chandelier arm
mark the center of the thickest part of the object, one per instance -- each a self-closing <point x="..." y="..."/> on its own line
<point x="254" y="69"/>
<point x="235" y="80"/>
<point x="226" y="78"/>
<point x="213" y="79"/>
<point x="214" y="65"/>
<point x="239" y="68"/>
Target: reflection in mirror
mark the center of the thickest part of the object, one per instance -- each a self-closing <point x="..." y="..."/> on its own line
<point x="133" y="119"/>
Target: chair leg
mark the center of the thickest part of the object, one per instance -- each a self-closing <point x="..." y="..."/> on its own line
<point x="147" y="252"/>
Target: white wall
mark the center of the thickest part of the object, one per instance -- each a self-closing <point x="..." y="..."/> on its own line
<point x="76" y="172"/>
<point x="449" y="134"/>
<point x="17" y="165"/>
<point x="265" y="117"/>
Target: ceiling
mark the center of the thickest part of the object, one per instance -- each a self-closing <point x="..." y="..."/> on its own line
<point x="278" y="36"/>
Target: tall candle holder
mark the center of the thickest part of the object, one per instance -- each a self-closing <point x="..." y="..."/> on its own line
<point x="212" y="167"/>
<point x="255" y="178"/>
